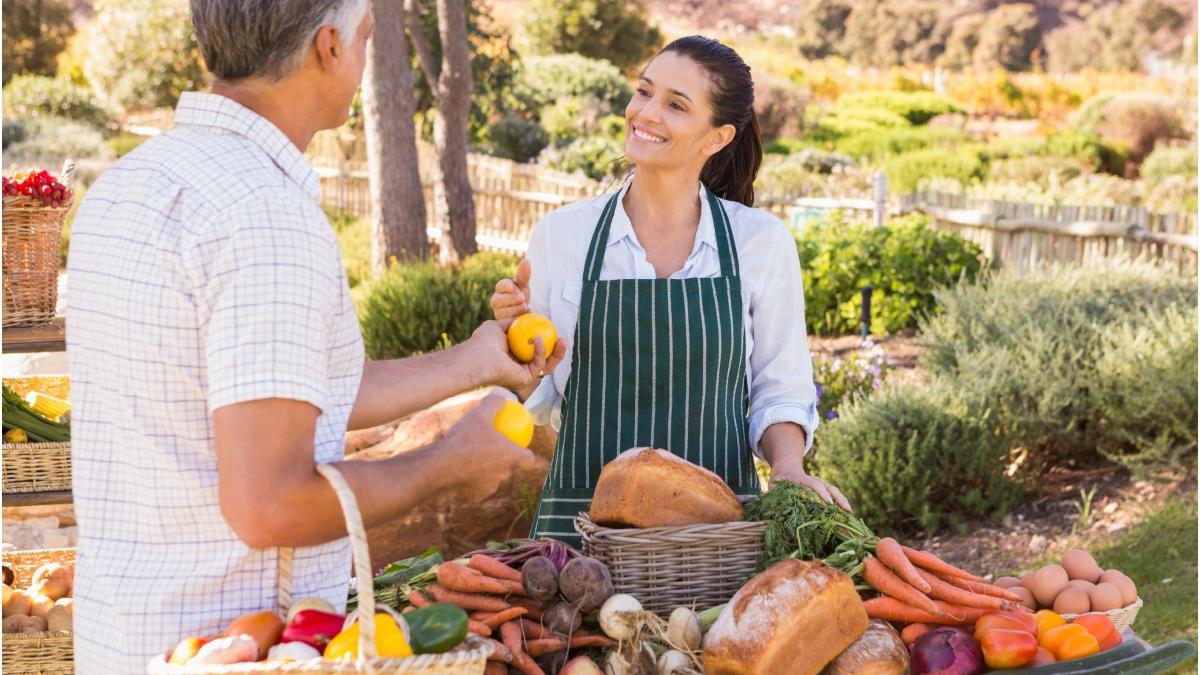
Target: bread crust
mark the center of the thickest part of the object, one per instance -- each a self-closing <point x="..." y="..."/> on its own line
<point x="648" y="487"/>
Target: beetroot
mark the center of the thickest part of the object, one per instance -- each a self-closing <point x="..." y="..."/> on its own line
<point x="539" y="576"/>
<point x="586" y="583"/>
<point x="946" y="651"/>
<point x="562" y="619"/>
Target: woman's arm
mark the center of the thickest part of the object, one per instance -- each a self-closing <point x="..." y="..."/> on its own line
<point x="782" y="448"/>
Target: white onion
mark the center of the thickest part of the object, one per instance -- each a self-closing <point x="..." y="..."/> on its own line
<point x="683" y="629"/>
<point x="673" y="661"/>
<point x="619" y="617"/>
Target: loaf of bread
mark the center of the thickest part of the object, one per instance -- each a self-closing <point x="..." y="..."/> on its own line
<point x="792" y="619"/>
<point x="879" y="651"/>
<point x="645" y="487"/>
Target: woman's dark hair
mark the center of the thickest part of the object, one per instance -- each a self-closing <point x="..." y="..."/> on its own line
<point x="730" y="173"/>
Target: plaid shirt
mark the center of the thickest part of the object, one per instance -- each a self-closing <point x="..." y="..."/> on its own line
<point x="203" y="273"/>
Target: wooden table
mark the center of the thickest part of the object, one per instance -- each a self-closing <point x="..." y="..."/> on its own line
<point x="25" y="339"/>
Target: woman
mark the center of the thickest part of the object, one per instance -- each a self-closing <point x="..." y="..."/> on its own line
<point x="685" y="303"/>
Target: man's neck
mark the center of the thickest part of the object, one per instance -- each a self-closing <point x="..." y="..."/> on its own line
<point x="285" y="104"/>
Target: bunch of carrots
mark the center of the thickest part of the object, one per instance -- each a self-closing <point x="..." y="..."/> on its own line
<point x="492" y="595"/>
<point x="918" y="587"/>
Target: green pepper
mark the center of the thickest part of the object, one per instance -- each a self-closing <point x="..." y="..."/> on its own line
<point x="437" y="628"/>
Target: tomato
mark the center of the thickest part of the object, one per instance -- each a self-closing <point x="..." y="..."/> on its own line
<point x="1000" y="621"/>
<point x="1047" y="619"/>
<point x="1003" y="648"/>
<point x="1101" y="628"/>
<point x="265" y="627"/>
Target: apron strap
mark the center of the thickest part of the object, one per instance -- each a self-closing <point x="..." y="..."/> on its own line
<point x="599" y="244"/>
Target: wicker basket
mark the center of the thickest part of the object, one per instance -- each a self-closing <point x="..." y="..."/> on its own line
<point x="470" y="658"/>
<point x="1122" y="618"/>
<point x="38" y="467"/>
<point x="38" y="653"/>
<point x="669" y="567"/>
<point x="32" y="241"/>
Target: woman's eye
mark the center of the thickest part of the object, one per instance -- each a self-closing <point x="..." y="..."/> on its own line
<point x="677" y="106"/>
<point x="643" y="92"/>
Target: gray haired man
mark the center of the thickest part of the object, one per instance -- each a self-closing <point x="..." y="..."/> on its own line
<point x="216" y="358"/>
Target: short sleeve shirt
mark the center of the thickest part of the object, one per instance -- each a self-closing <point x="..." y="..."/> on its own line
<point x="203" y="273"/>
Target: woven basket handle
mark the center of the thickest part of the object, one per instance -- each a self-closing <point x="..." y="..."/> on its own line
<point x="67" y="175"/>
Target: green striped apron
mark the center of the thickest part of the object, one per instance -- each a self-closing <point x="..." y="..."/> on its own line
<point x="658" y="363"/>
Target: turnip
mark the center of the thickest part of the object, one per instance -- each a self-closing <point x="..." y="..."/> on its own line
<point x="620" y="617"/>
<point x="683" y="629"/>
<point x="674" y="661"/>
<point x="586" y="583"/>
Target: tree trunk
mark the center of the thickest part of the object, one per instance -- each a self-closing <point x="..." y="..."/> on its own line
<point x="398" y="217"/>
<point x="454" y="200"/>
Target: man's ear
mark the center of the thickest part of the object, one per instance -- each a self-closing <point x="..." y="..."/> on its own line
<point x="329" y="48"/>
<point x="719" y="138"/>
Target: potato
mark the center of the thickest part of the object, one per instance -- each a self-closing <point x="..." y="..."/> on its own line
<point x="586" y="583"/>
<point x="539" y="576"/>
<point x="41" y="606"/>
<point x="67" y="603"/>
<point x="19" y="602"/>
<point x="58" y="619"/>
<point x="53" y="581"/>
<point x="35" y="624"/>
<point x="14" y="623"/>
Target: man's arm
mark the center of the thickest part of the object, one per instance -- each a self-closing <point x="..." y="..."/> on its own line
<point x="271" y="494"/>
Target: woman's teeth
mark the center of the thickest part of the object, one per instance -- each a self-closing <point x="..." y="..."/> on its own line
<point x="647" y="137"/>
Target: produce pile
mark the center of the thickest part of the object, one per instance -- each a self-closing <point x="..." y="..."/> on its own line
<point x="46" y="606"/>
<point x="38" y="418"/>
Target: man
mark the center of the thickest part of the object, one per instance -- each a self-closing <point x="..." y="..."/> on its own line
<point x="216" y="358"/>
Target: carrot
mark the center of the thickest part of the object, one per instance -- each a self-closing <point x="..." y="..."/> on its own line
<point x="883" y="580"/>
<point x="417" y="599"/>
<point x="891" y="609"/>
<point x="479" y="628"/>
<point x="408" y="609"/>
<point x="494" y="568"/>
<point x="591" y="641"/>
<point x="507" y="615"/>
<point x="500" y="652"/>
<point x="913" y="631"/>
<point x="933" y="563"/>
<point x="542" y="647"/>
<point x="495" y="668"/>
<point x="462" y="578"/>
<point x="890" y="553"/>
<point x="535" y="608"/>
<point x="511" y="633"/>
<point x="534" y="631"/>
<point x="468" y="601"/>
<point x="951" y="593"/>
<point x="981" y="588"/>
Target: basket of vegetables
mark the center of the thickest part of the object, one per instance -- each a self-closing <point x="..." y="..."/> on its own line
<point x="433" y="642"/>
<point x="35" y="205"/>
<point x="37" y="432"/>
<point x="38" y="612"/>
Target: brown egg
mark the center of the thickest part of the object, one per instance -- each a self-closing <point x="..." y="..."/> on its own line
<point x="1072" y="601"/>
<point x="1080" y="564"/>
<point x="1027" y="579"/>
<point x="1123" y="584"/>
<point x="1087" y="586"/>
<point x="1104" y="597"/>
<point x="1026" y="595"/>
<point x="1006" y="582"/>
<point x="1048" y="583"/>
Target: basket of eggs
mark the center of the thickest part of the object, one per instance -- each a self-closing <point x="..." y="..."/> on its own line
<point x="1078" y="586"/>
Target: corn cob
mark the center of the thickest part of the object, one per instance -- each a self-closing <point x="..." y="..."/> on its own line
<point x="47" y="406"/>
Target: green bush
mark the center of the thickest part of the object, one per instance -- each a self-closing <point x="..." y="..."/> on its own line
<point x="1144" y="386"/>
<point x="905" y="172"/>
<point x="420" y="307"/>
<point x="31" y="95"/>
<point x="1026" y="348"/>
<point x="1033" y="169"/>
<point x="542" y="80"/>
<point x="841" y="380"/>
<point x="354" y="239"/>
<point x="125" y="143"/>
<point x="1135" y="121"/>
<point x="572" y="117"/>
<point x="50" y="140"/>
<point x="596" y="157"/>
<point x="14" y="132"/>
<point x="886" y="143"/>
<point x="1169" y="161"/>
<point x="918" y="107"/>
<point x="909" y="460"/>
<point x="845" y="121"/>
<point x="905" y="262"/>
<point x="516" y="139"/>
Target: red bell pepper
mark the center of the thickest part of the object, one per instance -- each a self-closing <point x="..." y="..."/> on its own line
<point x="1003" y="648"/>
<point x="313" y="627"/>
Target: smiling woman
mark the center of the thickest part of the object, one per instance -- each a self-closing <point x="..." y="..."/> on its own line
<point x="684" y="304"/>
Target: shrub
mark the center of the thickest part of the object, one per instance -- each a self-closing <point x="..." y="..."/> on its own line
<point x="14" y="132"/>
<point x="420" y="307"/>
<point x="1138" y="121"/>
<point x="571" y="117"/>
<point x="905" y="262"/>
<point x="1033" y="170"/>
<point x="1026" y="348"/>
<point x="50" y="140"/>
<point x="841" y="380"/>
<point x="614" y="30"/>
<point x="906" y="171"/>
<point x="516" y="139"/>
<point x="877" y="144"/>
<point x="125" y="143"/>
<point x="31" y="95"/>
<point x="1169" y="161"/>
<point x="1144" y="387"/>
<point x="354" y="239"/>
<point x="143" y="53"/>
<point x="779" y="106"/>
<point x="918" y="107"/>
<point x="542" y="80"/>
<point x="35" y="33"/>
<point x="596" y="157"/>
<point x="909" y="460"/>
<point x="845" y="121"/>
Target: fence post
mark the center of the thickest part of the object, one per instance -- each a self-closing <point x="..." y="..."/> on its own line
<point x="865" y="318"/>
<point x="879" y="195"/>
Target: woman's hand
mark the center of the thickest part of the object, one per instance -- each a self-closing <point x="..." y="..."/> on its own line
<point x="511" y="298"/>
<point x="794" y="471"/>
<point x="783" y="447"/>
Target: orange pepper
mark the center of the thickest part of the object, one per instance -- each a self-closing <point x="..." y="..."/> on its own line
<point x="1047" y="619"/>
<point x="1054" y="637"/>
<point x="1102" y="628"/>
<point x="1077" y="647"/>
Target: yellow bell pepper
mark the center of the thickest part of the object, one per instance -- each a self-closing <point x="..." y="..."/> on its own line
<point x="1077" y="647"/>
<point x="1047" y="619"/>
<point x="1054" y="638"/>
<point x="16" y="436"/>
<point x="389" y="641"/>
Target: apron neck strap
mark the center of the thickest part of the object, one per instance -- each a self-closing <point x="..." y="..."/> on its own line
<point x="724" y="233"/>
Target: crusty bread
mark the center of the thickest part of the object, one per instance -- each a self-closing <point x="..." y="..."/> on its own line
<point x="879" y="651"/>
<point x="792" y="619"/>
<point x="645" y="487"/>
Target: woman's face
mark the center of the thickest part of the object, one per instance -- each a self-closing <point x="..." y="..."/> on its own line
<point x="668" y="122"/>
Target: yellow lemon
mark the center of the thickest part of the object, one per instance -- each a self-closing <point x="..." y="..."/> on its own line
<point x="525" y="330"/>
<point x="515" y="423"/>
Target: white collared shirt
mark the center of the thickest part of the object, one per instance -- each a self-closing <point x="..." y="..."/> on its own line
<point x="203" y="274"/>
<point x="778" y="364"/>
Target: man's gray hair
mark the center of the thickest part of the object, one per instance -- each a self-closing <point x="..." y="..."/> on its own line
<point x="265" y="38"/>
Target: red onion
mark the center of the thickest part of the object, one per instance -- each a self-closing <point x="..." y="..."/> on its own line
<point x="946" y="651"/>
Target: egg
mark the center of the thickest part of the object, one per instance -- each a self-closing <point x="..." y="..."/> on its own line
<point x="1087" y="586"/>
<point x="1048" y="583"/>
<point x="1072" y="601"/>
<point x="1026" y="596"/>
<point x="1080" y="564"/>
<point x="1027" y="579"/>
<point x="1123" y="584"/>
<point x="1104" y="597"/>
<point x="1006" y="582"/>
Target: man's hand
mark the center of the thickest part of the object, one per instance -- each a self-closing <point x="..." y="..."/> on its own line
<point x="488" y="347"/>
<point x="487" y="457"/>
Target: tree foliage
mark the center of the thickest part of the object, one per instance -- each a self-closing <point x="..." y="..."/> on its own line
<point x="35" y="32"/>
<point x="613" y="30"/>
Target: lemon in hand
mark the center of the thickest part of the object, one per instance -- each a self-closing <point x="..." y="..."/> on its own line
<point x="524" y="332"/>
<point x="515" y="423"/>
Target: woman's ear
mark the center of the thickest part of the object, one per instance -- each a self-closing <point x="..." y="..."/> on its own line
<point x="718" y="138"/>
